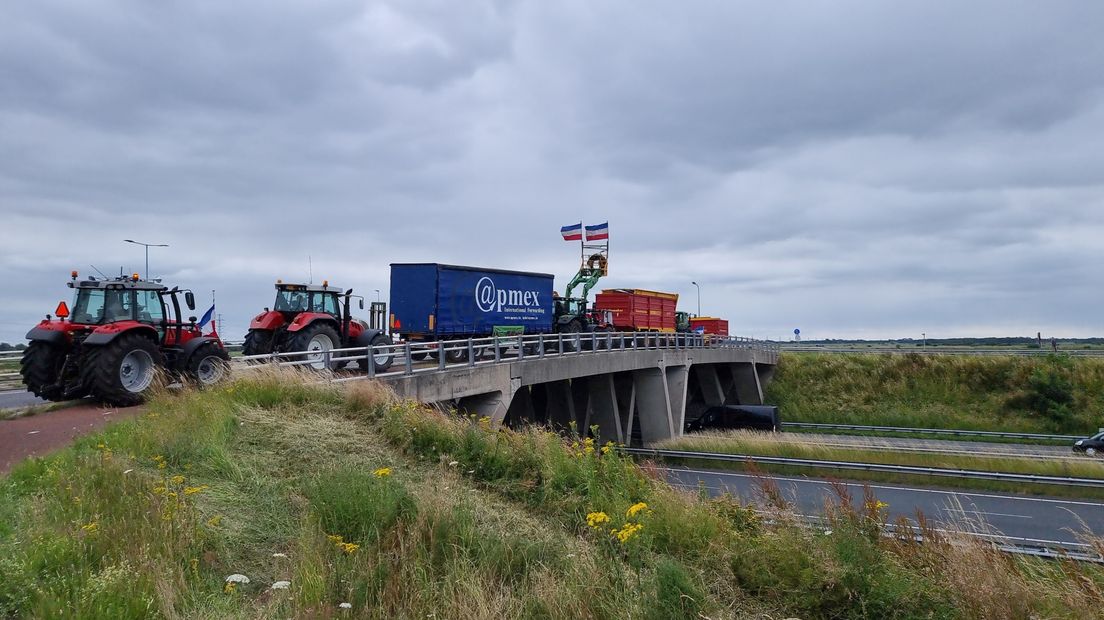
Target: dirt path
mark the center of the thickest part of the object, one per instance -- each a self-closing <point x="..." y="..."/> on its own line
<point x="40" y="434"/>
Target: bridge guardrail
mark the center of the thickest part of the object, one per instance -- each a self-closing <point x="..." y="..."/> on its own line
<point x="471" y="352"/>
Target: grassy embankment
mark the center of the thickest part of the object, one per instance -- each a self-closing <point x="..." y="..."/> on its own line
<point x="1023" y="394"/>
<point x="786" y="445"/>
<point x="402" y="512"/>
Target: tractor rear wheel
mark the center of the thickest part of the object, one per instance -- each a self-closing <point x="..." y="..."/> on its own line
<point x="41" y="368"/>
<point x="208" y="365"/>
<point x="120" y="372"/>
<point x="383" y="359"/>
<point x="319" y="339"/>
<point x="257" y="342"/>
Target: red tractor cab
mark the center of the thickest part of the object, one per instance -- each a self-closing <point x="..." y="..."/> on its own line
<point x="315" y="318"/>
<point x="110" y="346"/>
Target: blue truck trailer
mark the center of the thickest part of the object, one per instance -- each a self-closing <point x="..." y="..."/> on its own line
<point x="432" y="302"/>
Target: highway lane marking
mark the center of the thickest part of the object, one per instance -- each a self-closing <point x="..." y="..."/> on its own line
<point x="875" y="486"/>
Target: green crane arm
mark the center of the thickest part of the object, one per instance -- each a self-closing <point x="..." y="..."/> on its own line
<point x="587" y="277"/>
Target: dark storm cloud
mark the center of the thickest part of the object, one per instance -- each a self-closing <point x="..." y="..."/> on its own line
<point x="860" y="168"/>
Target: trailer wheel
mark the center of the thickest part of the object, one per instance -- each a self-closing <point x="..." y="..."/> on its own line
<point x="382" y="359"/>
<point x="454" y="355"/>
<point x="41" y="368"/>
<point x="121" y="371"/>
<point x="319" y="339"/>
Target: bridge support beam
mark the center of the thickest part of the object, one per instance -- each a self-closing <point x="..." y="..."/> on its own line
<point x="493" y="405"/>
<point x="745" y="384"/>
<point x="712" y="390"/>
<point x="561" y="404"/>
<point x="602" y="410"/>
<point x="653" y="403"/>
<point x="678" y="381"/>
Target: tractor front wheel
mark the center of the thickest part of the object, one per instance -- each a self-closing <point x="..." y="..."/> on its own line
<point x="208" y="365"/>
<point x="120" y="372"/>
<point x="383" y="358"/>
<point x="318" y="339"/>
<point x="41" y="369"/>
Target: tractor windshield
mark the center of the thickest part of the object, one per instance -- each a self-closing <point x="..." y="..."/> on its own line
<point x="291" y="301"/>
<point x="94" y="305"/>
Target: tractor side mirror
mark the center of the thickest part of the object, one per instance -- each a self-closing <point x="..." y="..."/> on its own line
<point x="189" y="299"/>
<point x="192" y="320"/>
<point x="361" y="304"/>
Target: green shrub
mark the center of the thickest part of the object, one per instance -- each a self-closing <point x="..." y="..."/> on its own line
<point x="676" y="594"/>
<point x="359" y="505"/>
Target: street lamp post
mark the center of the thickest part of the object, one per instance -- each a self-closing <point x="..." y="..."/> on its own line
<point x="377" y="295"/>
<point x="924" y="335"/>
<point x="147" y="246"/>
<point x="699" y="296"/>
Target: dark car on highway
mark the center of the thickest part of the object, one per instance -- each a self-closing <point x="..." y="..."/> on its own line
<point x="1092" y="446"/>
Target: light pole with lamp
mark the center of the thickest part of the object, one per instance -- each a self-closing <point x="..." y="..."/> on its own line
<point x="699" y="296"/>
<point x="147" y="246"/>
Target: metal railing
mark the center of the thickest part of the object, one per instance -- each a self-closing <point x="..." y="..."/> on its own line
<point x="930" y="431"/>
<point x="409" y="358"/>
<point x="873" y="467"/>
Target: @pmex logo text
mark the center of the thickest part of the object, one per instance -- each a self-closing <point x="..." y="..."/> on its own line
<point x="490" y="298"/>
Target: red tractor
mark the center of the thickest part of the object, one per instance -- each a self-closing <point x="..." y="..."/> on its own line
<point x="309" y="317"/>
<point x="119" y="334"/>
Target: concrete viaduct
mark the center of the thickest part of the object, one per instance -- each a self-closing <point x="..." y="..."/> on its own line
<point x="634" y="396"/>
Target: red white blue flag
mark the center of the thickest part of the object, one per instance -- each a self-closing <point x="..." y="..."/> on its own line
<point x="597" y="232"/>
<point x="573" y="232"/>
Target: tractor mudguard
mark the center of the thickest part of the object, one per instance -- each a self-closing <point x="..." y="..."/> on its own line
<point x="107" y="333"/>
<point x="48" y="335"/>
<point x="308" y="318"/>
<point x="365" y="338"/>
<point x="191" y="346"/>
<point x="270" y="321"/>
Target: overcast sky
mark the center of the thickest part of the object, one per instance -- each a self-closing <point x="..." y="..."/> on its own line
<point x="853" y="169"/>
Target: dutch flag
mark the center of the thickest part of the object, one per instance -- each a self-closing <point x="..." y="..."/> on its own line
<point x="207" y="318"/>
<point x="573" y="232"/>
<point x="597" y="232"/>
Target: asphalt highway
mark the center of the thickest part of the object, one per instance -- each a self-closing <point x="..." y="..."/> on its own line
<point x="1038" y="518"/>
<point x="16" y="399"/>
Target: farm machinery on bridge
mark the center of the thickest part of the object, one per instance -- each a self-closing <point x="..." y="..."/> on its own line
<point x="119" y="335"/>
<point x="316" y="319"/>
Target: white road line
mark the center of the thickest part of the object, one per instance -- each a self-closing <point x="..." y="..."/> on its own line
<point x="875" y="486"/>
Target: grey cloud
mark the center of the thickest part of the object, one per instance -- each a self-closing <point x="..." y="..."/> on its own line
<point x="848" y="168"/>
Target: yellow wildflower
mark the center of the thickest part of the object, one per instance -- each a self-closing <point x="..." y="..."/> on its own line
<point x="194" y="490"/>
<point x="90" y="527"/>
<point x="626" y="533"/>
<point x="229" y="587"/>
<point x="335" y="539"/>
<point x="596" y="519"/>
<point x="635" y="509"/>
<point x="588" y="450"/>
<point x="158" y="490"/>
<point x="382" y="472"/>
<point x="215" y="521"/>
<point x="349" y="548"/>
<point x="606" y="449"/>
<point x="177" y="479"/>
<point x="161" y="465"/>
